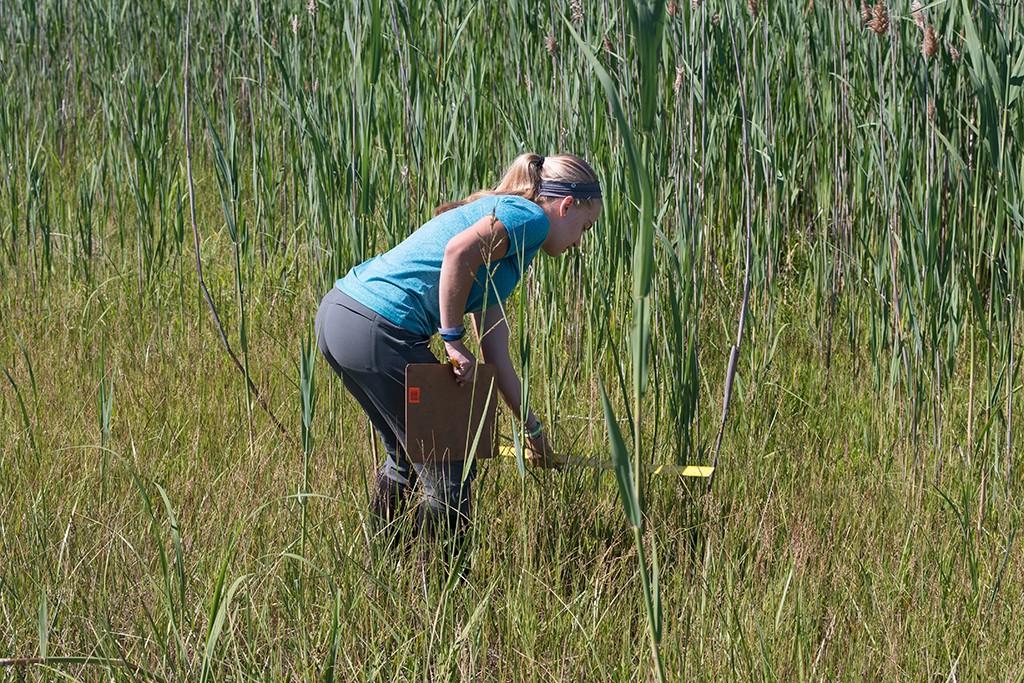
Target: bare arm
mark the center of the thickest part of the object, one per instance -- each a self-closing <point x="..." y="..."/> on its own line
<point x="492" y="328"/>
<point x="486" y="240"/>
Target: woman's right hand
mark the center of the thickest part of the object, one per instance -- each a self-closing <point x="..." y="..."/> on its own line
<point x="463" y="361"/>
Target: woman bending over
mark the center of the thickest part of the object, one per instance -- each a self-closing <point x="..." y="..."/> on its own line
<point x="381" y="316"/>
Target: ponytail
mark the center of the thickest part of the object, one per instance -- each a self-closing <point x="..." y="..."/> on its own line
<point x="525" y="174"/>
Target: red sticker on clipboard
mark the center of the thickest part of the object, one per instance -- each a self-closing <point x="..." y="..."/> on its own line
<point x="414" y="394"/>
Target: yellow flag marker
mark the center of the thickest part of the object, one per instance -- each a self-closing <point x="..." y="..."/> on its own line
<point x="606" y="464"/>
<point x="686" y="470"/>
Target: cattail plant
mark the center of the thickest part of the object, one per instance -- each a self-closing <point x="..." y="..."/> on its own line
<point x="576" y="11"/>
<point x="879" y="21"/>
<point x="929" y="43"/>
<point x="226" y="158"/>
<point x="648" y="22"/>
<point x="918" y="14"/>
<point x="551" y="45"/>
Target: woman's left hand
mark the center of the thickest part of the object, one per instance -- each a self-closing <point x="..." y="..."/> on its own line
<point x="463" y="361"/>
<point x="540" y="454"/>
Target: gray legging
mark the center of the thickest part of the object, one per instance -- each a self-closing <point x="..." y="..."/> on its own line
<point x="370" y="353"/>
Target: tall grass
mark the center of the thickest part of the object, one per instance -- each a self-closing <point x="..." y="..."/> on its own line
<point x="843" y="188"/>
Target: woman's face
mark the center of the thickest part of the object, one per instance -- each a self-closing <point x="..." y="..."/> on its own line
<point x="568" y="221"/>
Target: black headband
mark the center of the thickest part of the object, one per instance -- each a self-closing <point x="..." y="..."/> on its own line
<point x="557" y="188"/>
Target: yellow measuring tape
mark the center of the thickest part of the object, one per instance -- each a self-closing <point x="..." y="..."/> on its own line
<point x="606" y="464"/>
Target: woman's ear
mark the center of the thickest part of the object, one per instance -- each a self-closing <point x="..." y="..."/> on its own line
<point x="563" y="206"/>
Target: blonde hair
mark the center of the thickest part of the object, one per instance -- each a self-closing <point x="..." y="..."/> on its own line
<point x="524" y="175"/>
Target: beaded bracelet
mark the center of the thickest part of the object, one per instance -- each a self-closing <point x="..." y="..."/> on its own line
<point x="450" y="334"/>
<point x="535" y="432"/>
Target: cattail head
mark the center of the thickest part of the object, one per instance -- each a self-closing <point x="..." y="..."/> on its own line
<point x="954" y="53"/>
<point x="879" y="19"/>
<point x="677" y="86"/>
<point x="917" y="12"/>
<point x="929" y="44"/>
<point x="576" y="9"/>
<point x="551" y="43"/>
<point x="754" y="6"/>
<point x="607" y="44"/>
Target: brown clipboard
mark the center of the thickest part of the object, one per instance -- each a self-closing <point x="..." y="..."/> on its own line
<point x="443" y="420"/>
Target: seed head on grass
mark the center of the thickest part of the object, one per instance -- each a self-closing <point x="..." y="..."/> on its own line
<point x="929" y="44"/>
<point x="671" y="8"/>
<point x="879" y="22"/>
<point x="551" y="43"/>
<point x="754" y="6"/>
<point x="576" y="9"/>
<point x="678" y="84"/>
<point x="865" y="12"/>
<point x="931" y="109"/>
<point x="917" y="12"/>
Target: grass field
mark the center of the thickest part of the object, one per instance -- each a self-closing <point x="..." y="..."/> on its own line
<point x="830" y="195"/>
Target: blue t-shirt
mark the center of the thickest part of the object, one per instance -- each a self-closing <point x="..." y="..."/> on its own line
<point x="403" y="284"/>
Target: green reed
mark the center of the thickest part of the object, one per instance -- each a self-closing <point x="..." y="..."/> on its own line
<point x="882" y="190"/>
